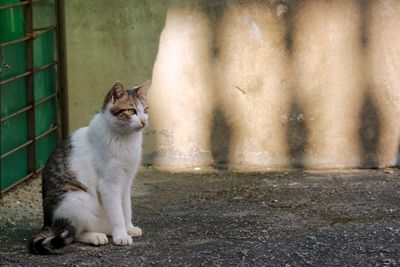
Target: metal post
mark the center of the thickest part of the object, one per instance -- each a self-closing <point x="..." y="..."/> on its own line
<point x="30" y="84"/>
<point x="62" y="70"/>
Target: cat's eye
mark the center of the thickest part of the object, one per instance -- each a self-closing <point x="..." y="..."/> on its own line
<point x="146" y="110"/>
<point x="132" y="111"/>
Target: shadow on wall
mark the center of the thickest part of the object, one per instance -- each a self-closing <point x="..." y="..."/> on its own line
<point x="220" y="140"/>
<point x="369" y="132"/>
<point x="265" y="85"/>
<point x="297" y="135"/>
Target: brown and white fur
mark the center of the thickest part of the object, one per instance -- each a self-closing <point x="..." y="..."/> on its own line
<point x="87" y="180"/>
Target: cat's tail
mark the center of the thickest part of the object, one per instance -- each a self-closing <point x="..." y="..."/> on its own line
<point x="52" y="238"/>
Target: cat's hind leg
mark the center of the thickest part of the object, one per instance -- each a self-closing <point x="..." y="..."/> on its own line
<point x="84" y="212"/>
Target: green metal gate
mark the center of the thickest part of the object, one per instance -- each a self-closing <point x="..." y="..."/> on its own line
<point x="31" y="87"/>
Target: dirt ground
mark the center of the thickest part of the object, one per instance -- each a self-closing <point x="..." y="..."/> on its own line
<point x="221" y="218"/>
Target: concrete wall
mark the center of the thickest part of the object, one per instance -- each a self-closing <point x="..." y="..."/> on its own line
<point x="256" y="85"/>
<point x="253" y="84"/>
<point x="108" y="41"/>
<point x="329" y="83"/>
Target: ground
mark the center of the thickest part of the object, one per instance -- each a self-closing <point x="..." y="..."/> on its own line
<point x="222" y="218"/>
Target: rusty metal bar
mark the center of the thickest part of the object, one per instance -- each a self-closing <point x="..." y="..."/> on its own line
<point x="62" y="103"/>
<point x="17" y="77"/>
<point x="38" y="69"/>
<point x="41" y="101"/>
<point x="38" y="1"/>
<point x="49" y="131"/>
<point x="16" y="41"/>
<point x="30" y="87"/>
<point x="24" y="3"/>
<point x="44" y="30"/>
<point x="15" y="113"/>
<point x="28" y="176"/>
<point x="29" y="142"/>
<point x="29" y="36"/>
<point x="47" y="98"/>
<point x="43" y="67"/>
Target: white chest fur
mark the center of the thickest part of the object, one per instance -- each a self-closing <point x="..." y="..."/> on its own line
<point x="100" y="153"/>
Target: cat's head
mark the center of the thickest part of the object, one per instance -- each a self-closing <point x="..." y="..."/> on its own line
<point x="127" y="109"/>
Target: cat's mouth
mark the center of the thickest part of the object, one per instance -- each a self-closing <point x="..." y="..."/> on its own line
<point x="139" y="127"/>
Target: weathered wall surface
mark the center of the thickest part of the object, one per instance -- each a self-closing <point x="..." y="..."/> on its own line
<point x="329" y="82"/>
<point x="246" y="84"/>
<point x="253" y="84"/>
<point x="108" y="41"/>
<point x="182" y="94"/>
<point x="383" y="61"/>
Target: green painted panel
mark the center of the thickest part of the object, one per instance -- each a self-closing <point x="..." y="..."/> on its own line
<point x="11" y="21"/>
<point x="43" y="14"/>
<point x="45" y="116"/>
<point x="12" y="28"/>
<point x="13" y="97"/>
<point x="44" y="147"/>
<point x="14" y="168"/>
<point x="13" y="132"/>
<point x="14" y="56"/>
<point x="43" y="48"/>
<point x="45" y="83"/>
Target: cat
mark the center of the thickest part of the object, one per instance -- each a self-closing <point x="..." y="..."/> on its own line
<point x="87" y="180"/>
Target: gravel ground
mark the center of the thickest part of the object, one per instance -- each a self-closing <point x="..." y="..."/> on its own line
<point x="221" y="218"/>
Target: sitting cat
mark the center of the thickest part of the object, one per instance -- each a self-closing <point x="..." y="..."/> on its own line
<point x="87" y="180"/>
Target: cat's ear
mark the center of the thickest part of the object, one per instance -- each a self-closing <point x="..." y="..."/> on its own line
<point x="141" y="89"/>
<point x="116" y="92"/>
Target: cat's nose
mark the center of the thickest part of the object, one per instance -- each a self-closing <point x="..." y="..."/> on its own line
<point x="143" y="123"/>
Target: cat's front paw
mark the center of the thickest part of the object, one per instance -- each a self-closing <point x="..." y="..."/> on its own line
<point x="134" y="231"/>
<point x="122" y="240"/>
<point x="97" y="239"/>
